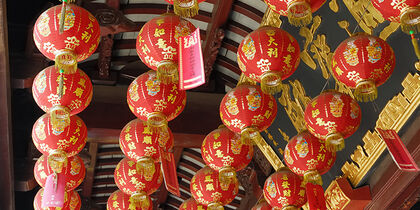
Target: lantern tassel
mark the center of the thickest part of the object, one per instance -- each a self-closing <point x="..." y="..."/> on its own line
<point x="66" y="60"/>
<point x="315" y="195"/>
<point x="409" y="20"/>
<point x="289" y="208"/>
<point x="57" y="160"/>
<point x="140" y="199"/>
<point x="335" y="142"/>
<point x="299" y="13"/>
<point x="416" y="49"/>
<point x="227" y="175"/>
<point x="186" y="8"/>
<point x="60" y="118"/>
<point x="167" y="72"/>
<point x="146" y="167"/>
<point x="63" y="17"/>
<point x="215" y="206"/>
<point x="365" y="91"/>
<point x="271" y="82"/>
<point x="313" y="176"/>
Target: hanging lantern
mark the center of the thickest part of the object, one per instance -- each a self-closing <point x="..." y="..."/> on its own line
<point x="207" y="190"/>
<point x="308" y="156"/>
<point x="299" y="12"/>
<point x="248" y="111"/>
<point x="140" y="144"/>
<point x="185" y="8"/>
<point x="333" y="116"/>
<point x="157" y="44"/>
<point x="363" y="62"/>
<point x="224" y="151"/>
<point x="406" y="12"/>
<point x="191" y="204"/>
<point x="285" y="190"/>
<point x="264" y="206"/>
<point x="56" y="144"/>
<point x="72" y="201"/>
<point x="269" y="55"/>
<point x="78" y="40"/>
<point x="61" y="94"/>
<point x="138" y="185"/>
<point x="155" y="102"/>
<point x="121" y="201"/>
<point x="74" y="172"/>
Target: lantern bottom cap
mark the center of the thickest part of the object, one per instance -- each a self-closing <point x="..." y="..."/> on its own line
<point x="141" y="199"/>
<point x="215" y="206"/>
<point x="410" y="20"/>
<point x="167" y="72"/>
<point x="57" y="160"/>
<point x="146" y="167"/>
<point x="313" y="177"/>
<point x="299" y="13"/>
<point x="335" y="142"/>
<point x="289" y="208"/>
<point x="271" y="82"/>
<point x="187" y="10"/>
<point x="366" y="91"/>
<point x="417" y="65"/>
<point x="227" y="175"/>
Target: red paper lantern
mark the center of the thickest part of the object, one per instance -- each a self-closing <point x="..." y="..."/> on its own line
<point x="185" y="8"/>
<point x="153" y="101"/>
<point x="269" y="55"/>
<point x="207" y="190"/>
<point x="57" y="144"/>
<point x="77" y="42"/>
<point x="285" y="190"/>
<point x="191" y="204"/>
<point x="74" y="172"/>
<point x="75" y="96"/>
<point x="308" y="156"/>
<point x="224" y="151"/>
<point x="157" y="44"/>
<point x="406" y="12"/>
<point x="121" y="201"/>
<point x="363" y="62"/>
<point x="299" y="12"/>
<point x="138" y="185"/>
<point x="72" y="201"/>
<point x="247" y="110"/>
<point x="140" y="144"/>
<point x="333" y="116"/>
<point x="264" y="206"/>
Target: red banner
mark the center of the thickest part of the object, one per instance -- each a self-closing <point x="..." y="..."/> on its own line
<point x="398" y="151"/>
<point x="54" y="191"/>
<point x="169" y="172"/>
<point x="315" y="195"/>
<point x="191" y="66"/>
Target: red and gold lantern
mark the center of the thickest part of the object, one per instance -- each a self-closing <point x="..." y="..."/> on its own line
<point x="207" y="190"/>
<point x="155" y="102"/>
<point x="57" y="144"/>
<point x="333" y="116"/>
<point x="406" y="12"/>
<point x="191" y="204"/>
<point x="137" y="184"/>
<point x="299" y="12"/>
<point x="285" y="190"/>
<point x="248" y="111"/>
<point x="140" y="144"/>
<point x="74" y="172"/>
<point x="363" y="62"/>
<point x="78" y="40"/>
<point x="121" y="201"/>
<point x="72" y="201"/>
<point x="62" y="94"/>
<point x="157" y="44"/>
<point x="308" y="156"/>
<point x="264" y="206"/>
<point x="185" y="8"/>
<point x="269" y="55"/>
<point x="224" y="151"/>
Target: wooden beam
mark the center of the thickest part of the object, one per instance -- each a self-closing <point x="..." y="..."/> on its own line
<point x="111" y="136"/>
<point x="215" y="34"/>
<point x="391" y="187"/>
<point x="7" y="200"/>
<point x="90" y="171"/>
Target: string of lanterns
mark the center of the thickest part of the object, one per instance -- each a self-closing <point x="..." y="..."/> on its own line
<point x="66" y="34"/>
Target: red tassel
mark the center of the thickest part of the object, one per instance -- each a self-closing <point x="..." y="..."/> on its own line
<point x="315" y="195"/>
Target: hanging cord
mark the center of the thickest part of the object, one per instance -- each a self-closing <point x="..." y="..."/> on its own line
<point x="363" y="15"/>
<point x="325" y="85"/>
<point x="61" y="84"/>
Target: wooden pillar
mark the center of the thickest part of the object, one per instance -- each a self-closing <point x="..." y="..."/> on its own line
<point x="6" y="149"/>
